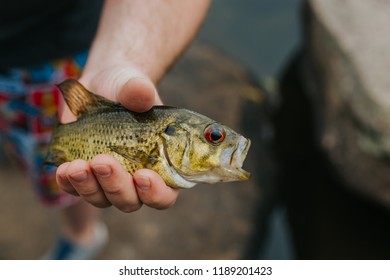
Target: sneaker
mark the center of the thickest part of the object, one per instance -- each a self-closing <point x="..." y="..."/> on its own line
<point x="66" y="249"/>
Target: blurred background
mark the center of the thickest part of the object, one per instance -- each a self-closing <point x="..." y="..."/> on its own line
<point x="242" y="70"/>
<point x="259" y="34"/>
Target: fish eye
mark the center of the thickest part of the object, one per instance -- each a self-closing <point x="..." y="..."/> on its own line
<point x="170" y="130"/>
<point x="214" y="134"/>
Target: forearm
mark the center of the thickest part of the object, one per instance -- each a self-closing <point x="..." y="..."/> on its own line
<point x="147" y="34"/>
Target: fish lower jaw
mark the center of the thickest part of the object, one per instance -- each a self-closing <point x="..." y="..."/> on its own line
<point x="236" y="174"/>
<point x="179" y="181"/>
<point x="223" y="174"/>
<point x="243" y="175"/>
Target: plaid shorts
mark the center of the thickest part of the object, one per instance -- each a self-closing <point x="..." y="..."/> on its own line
<point x="29" y="101"/>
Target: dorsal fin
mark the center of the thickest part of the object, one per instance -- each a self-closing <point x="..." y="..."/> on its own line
<point x="79" y="99"/>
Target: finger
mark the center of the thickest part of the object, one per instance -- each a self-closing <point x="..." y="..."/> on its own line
<point x="84" y="182"/>
<point x="116" y="183"/>
<point x="62" y="180"/>
<point x="64" y="114"/>
<point x="138" y="94"/>
<point x="153" y="191"/>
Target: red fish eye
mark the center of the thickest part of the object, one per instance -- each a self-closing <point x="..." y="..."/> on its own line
<point x="214" y="134"/>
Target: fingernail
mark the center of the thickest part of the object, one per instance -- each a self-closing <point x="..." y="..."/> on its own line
<point x="79" y="176"/>
<point x="143" y="183"/>
<point x="102" y="170"/>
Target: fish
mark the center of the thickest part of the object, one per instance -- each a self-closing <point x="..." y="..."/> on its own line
<point x="184" y="147"/>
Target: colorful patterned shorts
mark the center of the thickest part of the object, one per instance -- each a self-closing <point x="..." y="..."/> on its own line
<point x="28" y="107"/>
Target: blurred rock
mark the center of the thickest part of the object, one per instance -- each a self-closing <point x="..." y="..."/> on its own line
<point x="345" y="67"/>
<point x="328" y="218"/>
<point x="222" y="221"/>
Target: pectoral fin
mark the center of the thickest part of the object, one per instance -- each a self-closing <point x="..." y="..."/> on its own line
<point x="134" y="155"/>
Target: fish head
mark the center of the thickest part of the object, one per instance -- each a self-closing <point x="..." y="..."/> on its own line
<point x="201" y="150"/>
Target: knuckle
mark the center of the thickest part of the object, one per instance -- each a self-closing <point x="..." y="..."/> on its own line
<point x="70" y="191"/>
<point x="64" y="185"/>
<point x="161" y="204"/>
<point x="129" y="208"/>
<point x="89" y="192"/>
<point x="165" y="205"/>
<point x="113" y="191"/>
<point x="165" y="202"/>
<point x="101" y="203"/>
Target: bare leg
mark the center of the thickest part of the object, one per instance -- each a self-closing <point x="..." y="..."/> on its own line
<point x="79" y="222"/>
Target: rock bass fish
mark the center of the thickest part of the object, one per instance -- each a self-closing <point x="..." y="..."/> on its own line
<point x="182" y="146"/>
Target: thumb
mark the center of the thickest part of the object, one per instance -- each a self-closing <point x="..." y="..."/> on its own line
<point x="126" y="85"/>
<point x="138" y="94"/>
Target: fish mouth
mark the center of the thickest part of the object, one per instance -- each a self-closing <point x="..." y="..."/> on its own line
<point x="238" y="157"/>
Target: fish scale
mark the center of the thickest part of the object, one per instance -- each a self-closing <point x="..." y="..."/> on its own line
<point x="93" y="135"/>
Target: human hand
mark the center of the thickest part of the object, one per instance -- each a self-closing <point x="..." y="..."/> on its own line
<point x="103" y="181"/>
